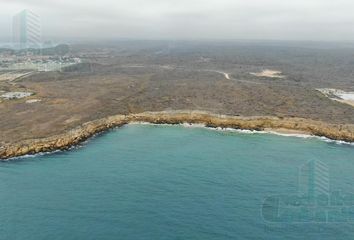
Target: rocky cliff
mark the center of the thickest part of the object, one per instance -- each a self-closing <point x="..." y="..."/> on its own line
<point x="81" y="133"/>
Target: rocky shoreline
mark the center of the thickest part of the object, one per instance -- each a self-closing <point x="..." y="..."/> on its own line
<point x="73" y="137"/>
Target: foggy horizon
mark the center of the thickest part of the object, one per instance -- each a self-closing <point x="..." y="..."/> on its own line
<point x="107" y="20"/>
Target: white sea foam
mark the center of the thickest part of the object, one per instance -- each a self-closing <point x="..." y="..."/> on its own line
<point x="31" y="155"/>
<point x="193" y="125"/>
<point x="246" y="131"/>
<point x="299" y="135"/>
<point x="141" y="123"/>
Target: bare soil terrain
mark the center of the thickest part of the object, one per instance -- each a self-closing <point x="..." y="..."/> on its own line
<point x="135" y="77"/>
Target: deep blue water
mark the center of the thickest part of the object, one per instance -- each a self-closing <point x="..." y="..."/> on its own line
<point x="169" y="182"/>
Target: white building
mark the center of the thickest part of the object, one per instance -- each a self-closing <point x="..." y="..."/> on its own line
<point x="26" y="30"/>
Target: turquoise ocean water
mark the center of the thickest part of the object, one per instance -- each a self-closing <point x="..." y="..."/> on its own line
<point x="170" y="182"/>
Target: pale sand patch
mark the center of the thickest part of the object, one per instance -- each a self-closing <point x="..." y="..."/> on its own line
<point x="33" y="101"/>
<point x="349" y="102"/>
<point x="269" y="74"/>
<point x="338" y="95"/>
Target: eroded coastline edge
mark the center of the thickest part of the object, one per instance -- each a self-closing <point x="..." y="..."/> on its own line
<point x="64" y="141"/>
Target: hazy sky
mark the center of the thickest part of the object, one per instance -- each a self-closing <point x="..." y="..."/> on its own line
<point x="188" y="19"/>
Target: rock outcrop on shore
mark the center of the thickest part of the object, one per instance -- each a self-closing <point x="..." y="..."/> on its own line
<point x="75" y="136"/>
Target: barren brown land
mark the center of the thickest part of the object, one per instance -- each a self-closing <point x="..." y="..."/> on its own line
<point x="154" y="81"/>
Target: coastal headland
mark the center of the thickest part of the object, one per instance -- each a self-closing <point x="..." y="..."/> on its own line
<point x="77" y="135"/>
<point x="295" y="90"/>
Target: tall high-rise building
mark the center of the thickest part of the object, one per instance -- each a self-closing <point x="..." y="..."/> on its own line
<point x="27" y="30"/>
<point x="314" y="180"/>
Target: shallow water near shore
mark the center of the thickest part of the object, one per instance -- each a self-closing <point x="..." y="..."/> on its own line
<point x="171" y="182"/>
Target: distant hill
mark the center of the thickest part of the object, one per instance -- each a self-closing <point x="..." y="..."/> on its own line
<point x="60" y="49"/>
